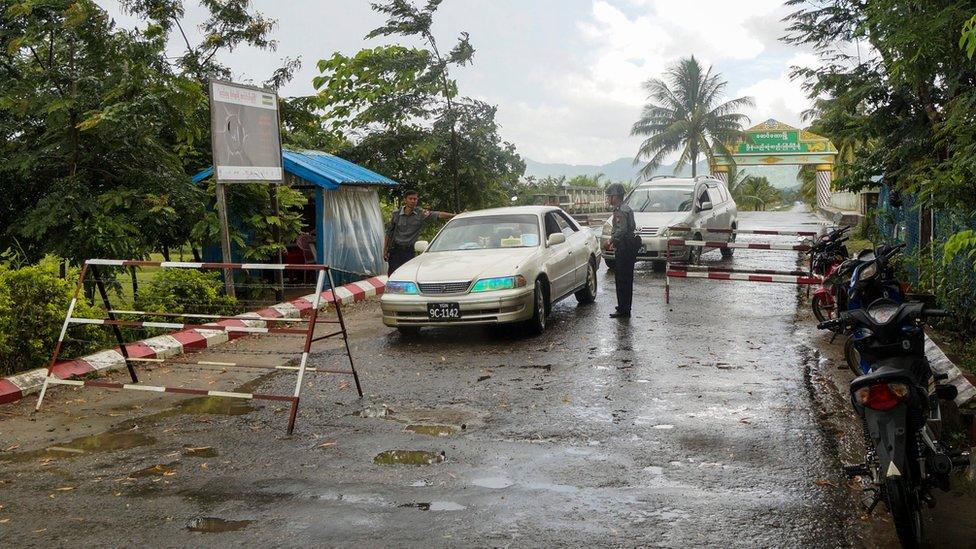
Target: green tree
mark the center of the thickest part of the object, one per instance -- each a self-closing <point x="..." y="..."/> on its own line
<point x="685" y="114"/>
<point x="756" y="193"/>
<point x="92" y="121"/>
<point x="401" y="115"/>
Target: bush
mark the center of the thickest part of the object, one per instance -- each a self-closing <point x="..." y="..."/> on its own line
<point x="33" y="304"/>
<point x="186" y="291"/>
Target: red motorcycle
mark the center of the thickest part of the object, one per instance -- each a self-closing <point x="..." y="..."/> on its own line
<point x="826" y="257"/>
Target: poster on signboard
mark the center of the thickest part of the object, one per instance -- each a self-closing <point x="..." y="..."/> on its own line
<point x="245" y="133"/>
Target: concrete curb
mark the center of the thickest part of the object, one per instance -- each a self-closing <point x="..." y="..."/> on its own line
<point x="940" y="363"/>
<point x="18" y="386"/>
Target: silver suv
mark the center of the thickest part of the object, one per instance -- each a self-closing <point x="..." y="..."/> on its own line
<point x="701" y="204"/>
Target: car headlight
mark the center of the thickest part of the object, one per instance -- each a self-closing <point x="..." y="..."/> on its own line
<point x="402" y="287"/>
<point x="498" y="283"/>
<point x="869" y="271"/>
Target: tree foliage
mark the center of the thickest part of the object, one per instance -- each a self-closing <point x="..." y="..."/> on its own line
<point x="685" y="113"/>
<point x="403" y="116"/>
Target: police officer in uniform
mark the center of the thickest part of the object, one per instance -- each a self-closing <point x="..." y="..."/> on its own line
<point x="625" y="243"/>
<point x="405" y="228"/>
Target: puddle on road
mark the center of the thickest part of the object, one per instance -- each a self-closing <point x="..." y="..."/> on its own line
<point x="436" y="506"/>
<point x="432" y="430"/>
<point x="109" y="441"/>
<point x="213" y="525"/>
<point x="211" y="405"/>
<point x="408" y="457"/>
<point x="425" y="421"/>
<point x="200" y="452"/>
<point x="493" y="482"/>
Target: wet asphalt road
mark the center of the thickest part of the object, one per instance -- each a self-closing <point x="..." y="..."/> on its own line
<point x="690" y="425"/>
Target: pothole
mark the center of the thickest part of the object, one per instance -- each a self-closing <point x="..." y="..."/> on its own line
<point x="408" y="457"/>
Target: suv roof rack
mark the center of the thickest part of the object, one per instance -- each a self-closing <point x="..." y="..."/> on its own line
<point x="660" y="177"/>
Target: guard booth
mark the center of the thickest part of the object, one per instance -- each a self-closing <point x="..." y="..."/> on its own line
<point x="346" y="226"/>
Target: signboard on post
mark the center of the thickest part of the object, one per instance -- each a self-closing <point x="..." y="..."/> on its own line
<point x="244" y="131"/>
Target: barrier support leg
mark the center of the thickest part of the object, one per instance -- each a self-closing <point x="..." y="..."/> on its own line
<point x="115" y="328"/>
<point x="305" y="350"/>
<point x="345" y="336"/>
<point x="64" y="330"/>
<point x="667" y="267"/>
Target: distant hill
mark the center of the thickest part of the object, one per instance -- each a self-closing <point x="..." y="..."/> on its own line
<point x="623" y="169"/>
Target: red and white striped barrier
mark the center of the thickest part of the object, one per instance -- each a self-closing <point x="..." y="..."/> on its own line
<point x="728" y="273"/>
<point x="16" y="387"/>
<point x="767" y="232"/>
<point x="782" y="279"/>
<point x="323" y="277"/>
<point x="716" y="269"/>
<point x="738" y="245"/>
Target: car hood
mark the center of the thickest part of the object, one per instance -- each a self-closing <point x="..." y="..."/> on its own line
<point x="658" y="220"/>
<point x="464" y="265"/>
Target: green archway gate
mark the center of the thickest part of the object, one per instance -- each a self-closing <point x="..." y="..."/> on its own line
<point x="773" y="143"/>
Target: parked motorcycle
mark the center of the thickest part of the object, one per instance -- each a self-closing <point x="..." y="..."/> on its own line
<point x="898" y="400"/>
<point x="871" y="277"/>
<point x="826" y="255"/>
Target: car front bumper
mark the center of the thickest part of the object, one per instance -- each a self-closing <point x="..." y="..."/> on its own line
<point x="652" y="247"/>
<point x="499" y="307"/>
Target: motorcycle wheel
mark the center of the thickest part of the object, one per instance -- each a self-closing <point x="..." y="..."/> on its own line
<point x="905" y="512"/>
<point x="852" y="356"/>
<point x="821" y="310"/>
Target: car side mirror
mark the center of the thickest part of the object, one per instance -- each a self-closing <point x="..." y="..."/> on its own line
<point x="705" y="206"/>
<point x="555" y="238"/>
<point x="421" y="246"/>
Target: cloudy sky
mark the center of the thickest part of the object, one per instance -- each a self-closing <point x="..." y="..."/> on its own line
<point x="565" y="74"/>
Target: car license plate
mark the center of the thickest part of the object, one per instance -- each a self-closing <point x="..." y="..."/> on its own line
<point x="443" y="311"/>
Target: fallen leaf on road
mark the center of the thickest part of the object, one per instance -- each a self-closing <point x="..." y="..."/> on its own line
<point x="4" y="521"/>
<point x="64" y="489"/>
<point x="14" y="447"/>
<point x="825" y="482"/>
<point x="482" y="378"/>
<point x="203" y="465"/>
<point x="328" y="444"/>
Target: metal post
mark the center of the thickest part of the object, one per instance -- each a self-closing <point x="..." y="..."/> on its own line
<point x="345" y="336"/>
<point x="667" y="267"/>
<point x="115" y="328"/>
<point x="320" y="281"/>
<point x="279" y="275"/>
<point x="224" y="237"/>
<point x="64" y="330"/>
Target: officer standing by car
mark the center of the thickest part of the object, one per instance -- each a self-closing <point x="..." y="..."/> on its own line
<point x="625" y="243"/>
<point x="404" y="230"/>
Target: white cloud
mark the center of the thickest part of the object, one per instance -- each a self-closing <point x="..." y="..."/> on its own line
<point x="780" y="97"/>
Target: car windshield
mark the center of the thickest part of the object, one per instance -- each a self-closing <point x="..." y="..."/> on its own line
<point x="488" y="232"/>
<point x="661" y="199"/>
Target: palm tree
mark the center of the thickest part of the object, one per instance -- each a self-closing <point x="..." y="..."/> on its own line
<point x="684" y="114"/>
<point x="756" y="193"/>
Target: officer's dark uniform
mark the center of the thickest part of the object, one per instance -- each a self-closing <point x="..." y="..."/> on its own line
<point x="625" y="243"/>
<point x="403" y="232"/>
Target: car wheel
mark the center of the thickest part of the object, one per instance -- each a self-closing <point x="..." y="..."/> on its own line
<point x="609" y="263"/>
<point x="409" y="331"/>
<point x="540" y="312"/>
<point x="588" y="293"/>
<point x="727" y="252"/>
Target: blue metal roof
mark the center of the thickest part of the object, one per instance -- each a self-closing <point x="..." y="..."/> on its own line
<point x="322" y="169"/>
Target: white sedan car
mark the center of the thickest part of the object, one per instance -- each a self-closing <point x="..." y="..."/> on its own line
<point x="495" y="266"/>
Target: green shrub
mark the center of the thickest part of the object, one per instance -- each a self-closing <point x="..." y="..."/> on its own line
<point x="33" y="304"/>
<point x="186" y="291"/>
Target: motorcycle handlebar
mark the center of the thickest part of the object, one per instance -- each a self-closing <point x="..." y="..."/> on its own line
<point x="938" y="313"/>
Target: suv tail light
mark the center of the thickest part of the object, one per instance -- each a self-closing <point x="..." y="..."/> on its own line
<point x="881" y="396"/>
